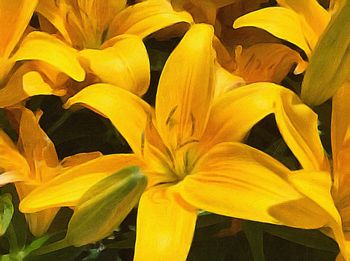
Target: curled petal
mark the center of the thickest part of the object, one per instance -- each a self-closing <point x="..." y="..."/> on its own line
<point x="168" y="223"/>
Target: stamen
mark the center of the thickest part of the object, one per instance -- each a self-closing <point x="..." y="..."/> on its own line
<point x="170" y="155"/>
<point x="193" y="122"/>
<point x="142" y="143"/>
<point x="186" y="143"/>
<point x="251" y="59"/>
<point x="171" y="114"/>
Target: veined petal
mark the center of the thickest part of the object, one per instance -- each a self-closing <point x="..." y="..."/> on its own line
<point x="55" y="15"/>
<point x="40" y="222"/>
<point x="279" y="21"/>
<point x="14" y="19"/>
<point x="67" y="188"/>
<point x="312" y="15"/>
<point x="341" y="135"/>
<point x="57" y="54"/>
<point x="124" y="64"/>
<point x="36" y="146"/>
<point x="165" y="226"/>
<point x="82" y="23"/>
<point x="236" y="180"/>
<point x="11" y="161"/>
<point x="267" y="62"/>
<point x="296" y="122"/>
<point x="186" y="88"/>
<point x="127" y="112"/>
<point x="145" y="18"/>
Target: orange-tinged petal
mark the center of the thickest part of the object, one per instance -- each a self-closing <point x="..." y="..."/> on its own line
<point x="36" y="146"/>
<point x="279" y="21"/>
<point x="13" y="164"/>
<point x="127" y="112"/>
<point x="267" y="62"/>
<point x="186" y="88"/>
<point x="63" y="57"/>
<point x="165" y="226"/>
<point x="79" y="158"/>
<point x="67" y="188"/>
<point x="145" y="18"/>
<point x="296" y="122"/>
<point x="124" y="64"/>
<point x="236" y="180"/>
<point x="14" y="19"/>
<point x="38" y="222"/>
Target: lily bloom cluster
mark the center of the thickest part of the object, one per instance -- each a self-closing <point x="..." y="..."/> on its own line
<point x="188" y="149"/>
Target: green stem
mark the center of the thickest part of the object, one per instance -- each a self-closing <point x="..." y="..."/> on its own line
<point x="59" y="122"/>
<point x="51" y="248"/>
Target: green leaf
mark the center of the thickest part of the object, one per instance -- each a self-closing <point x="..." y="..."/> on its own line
<point x="6" y="212"/>
<point x="104" y="206"/>
<point x="329" y="65"/>
<point x="254" y="233"/>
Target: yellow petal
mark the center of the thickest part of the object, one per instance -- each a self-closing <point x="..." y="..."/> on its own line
<point x="79" y="158"/>
<point x="127" y="112"/>
<point x="36" y="146"/>
<point x="145" y="18"/>
<point x="33" y="84"/>
<point x="57" y="54"/>
<point x="55" y="15"/>
<point x="341" y="137"/>
<point x="296" y="122"/>
<point x="209" y="8"/>
<point x="14" y="18"/>
<point x="317" y="187"/>
<point x="67" y="188"/>
<point x="165" y="226"/>
<point x="186" y="88"/>
<point x="236" y="180"/>
<point x="124" y="64"/>
<point x="267" y="62"/>
<point x="313" y="16"/>
<point x="13" y="92"/>
<point x="279" y="21"/>
<point x="226" y="81"/>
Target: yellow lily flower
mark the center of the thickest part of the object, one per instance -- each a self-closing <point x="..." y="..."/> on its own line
<point x="33" y="163"/>
<point x="303" y="23"/>
<point x="106" y="35"/>
<point x="298" y="22"/>
<point x="189" y="150"/>
<point x="18" y="45"/>
<point x="246" y="61"/>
